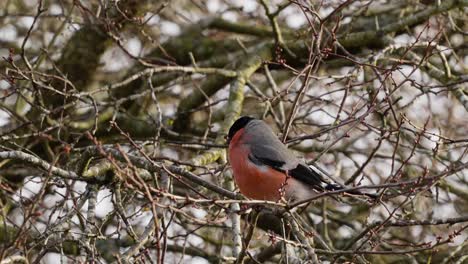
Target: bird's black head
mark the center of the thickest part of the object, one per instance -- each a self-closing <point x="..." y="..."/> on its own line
<point x="238" y="125"/>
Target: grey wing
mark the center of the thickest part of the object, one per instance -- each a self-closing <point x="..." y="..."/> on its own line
<point x="266" y="147"/>
<point x="271" y="156"/>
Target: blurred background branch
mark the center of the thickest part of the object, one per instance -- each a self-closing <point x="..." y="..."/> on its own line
<point x="114" y="115"/>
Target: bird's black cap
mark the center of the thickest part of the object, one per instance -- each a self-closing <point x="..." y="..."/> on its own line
<point x="238" y="125"/>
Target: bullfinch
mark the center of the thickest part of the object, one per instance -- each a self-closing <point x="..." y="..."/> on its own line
<point x="265" y="169"/>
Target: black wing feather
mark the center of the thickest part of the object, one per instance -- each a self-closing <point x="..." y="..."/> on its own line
<point x="302" y="173"/>
<point x="274" y="164"/>
<point x="308" y="176"/>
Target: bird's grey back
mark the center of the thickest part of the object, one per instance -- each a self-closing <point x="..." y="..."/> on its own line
<point x="265" y="144"/>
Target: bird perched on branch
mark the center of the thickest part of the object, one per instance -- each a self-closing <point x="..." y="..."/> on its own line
<point x="265" y="169"/>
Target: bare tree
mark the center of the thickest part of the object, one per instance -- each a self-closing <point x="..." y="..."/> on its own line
<point x="114" y="116"/>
